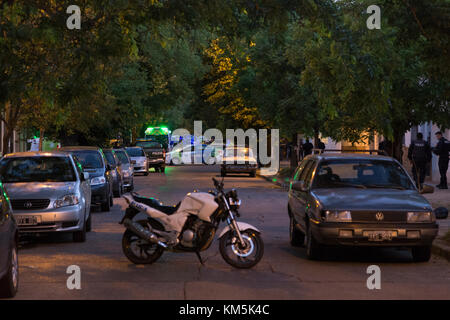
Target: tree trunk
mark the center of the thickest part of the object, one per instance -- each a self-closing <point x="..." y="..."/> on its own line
<point x="294" y="146"/>
<point x="6" y="139"/>
<point x="397" y="145"/>
<point x="41" y="138"/>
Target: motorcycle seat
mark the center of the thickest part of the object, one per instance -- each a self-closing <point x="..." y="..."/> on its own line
<point x="152" y="202"/>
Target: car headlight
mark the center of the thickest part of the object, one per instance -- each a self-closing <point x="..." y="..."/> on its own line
<point x="126" y="174"/>
<point x="236" y="204"/>
<point x="97" y="181"/>
<point x="417" y="217"/>
<point x="67" y="200"/>
<point x="338" y="216"/>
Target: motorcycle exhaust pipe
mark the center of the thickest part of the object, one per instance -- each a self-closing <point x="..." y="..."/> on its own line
<point x="142" y="232"/>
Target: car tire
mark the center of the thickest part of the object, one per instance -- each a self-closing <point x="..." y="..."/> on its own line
<point x="106" y="206"/>
<point x="253" y="174"/>
<point x="296" y="237"/>
<point x="80" y="236"/>
<point x="146" y="173"/>
<point x="313" y="249"/>
<point x="162" y="169"/>
<point x="9" y="284"/>
<point x="89" y="223"/>
<point x="421" y="253"/>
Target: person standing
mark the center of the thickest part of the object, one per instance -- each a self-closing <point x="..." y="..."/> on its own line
<point x="442" y="149"/>
<point x="321" y="146"/>
<point x="419" y="153"/>
<point x="307" y="147"/>
<point x="300" y="150"/>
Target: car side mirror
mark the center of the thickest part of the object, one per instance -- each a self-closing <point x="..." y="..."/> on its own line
<point x="426" y="188"/>
<point x="441" y="213"/>
<point x="85" y="176"/>
<point x="299" y="186"/>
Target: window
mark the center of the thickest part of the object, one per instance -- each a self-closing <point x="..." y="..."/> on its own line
<point x="305" y="173"/>
<point x="123" y="158"/>
<point x="89" y="159"/>
<point x="37" y="169"/>
<point x="135" y="152"/>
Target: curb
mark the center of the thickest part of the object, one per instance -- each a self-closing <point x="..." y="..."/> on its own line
<point x="439" y="247"/>
<point x="282" y="185"/>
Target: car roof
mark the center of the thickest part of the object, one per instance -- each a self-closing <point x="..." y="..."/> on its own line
<point x="55" y="153"/>
<point x="81" y="148"/>
<point x="355" y="156"/>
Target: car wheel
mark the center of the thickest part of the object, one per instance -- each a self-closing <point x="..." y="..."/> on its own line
<point x="253" y="174"/>
<point x="162" y="169"/>
<point x="89" y="223"/>
<point x="421" y="254"/>
<point x="296" y="237"/>
<point x="146" y="172"/>
<point x="9" y="284"/>
<point x="106" y="206"/>
<point x="80" y="236"/>
<point x="313" y="249"/>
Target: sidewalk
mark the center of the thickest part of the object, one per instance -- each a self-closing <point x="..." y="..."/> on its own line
<point x="440" y="198"/>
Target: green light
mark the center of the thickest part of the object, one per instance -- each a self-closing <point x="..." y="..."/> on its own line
<point x="165" y="129"/>
<point x="149" y="130"/>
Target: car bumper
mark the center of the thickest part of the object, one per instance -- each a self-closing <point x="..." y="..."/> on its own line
<point x="356" y="234"/>
<point x="238" y="168"/>
<point x="155" y="162"/>
<point x="65" y="219"/>
<point x="99" y="193"/>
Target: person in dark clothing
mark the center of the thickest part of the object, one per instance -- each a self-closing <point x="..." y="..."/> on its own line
<point x="300" y="150"/>
<point x="419" y="153"/>
<point x="442" y="149"/>
<point x="321" y="146"/>
<point x="307" y="147"/>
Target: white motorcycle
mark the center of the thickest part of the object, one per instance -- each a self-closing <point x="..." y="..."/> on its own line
<point x="190" y="226"/>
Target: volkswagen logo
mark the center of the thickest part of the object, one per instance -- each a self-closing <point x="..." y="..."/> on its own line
<point x="379" y="216"/>
<point x="28" y="204"/>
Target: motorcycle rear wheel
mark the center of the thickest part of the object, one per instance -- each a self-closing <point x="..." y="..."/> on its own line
<point x="238" y="257"/>
<point x="138" y="250"/>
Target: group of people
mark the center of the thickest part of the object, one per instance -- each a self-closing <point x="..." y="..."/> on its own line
<point x="419" y="153"/>
<point x="303" y="148"/>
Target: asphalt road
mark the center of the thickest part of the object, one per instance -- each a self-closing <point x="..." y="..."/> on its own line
<point x="284" y="272"/>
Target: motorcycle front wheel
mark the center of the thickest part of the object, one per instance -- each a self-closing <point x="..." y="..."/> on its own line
<point x="238" y="256"/>
<point x="140" y="251"/>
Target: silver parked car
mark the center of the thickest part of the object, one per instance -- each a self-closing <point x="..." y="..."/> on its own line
<point x="139" y="159"/>
<point x="49" y="192"/>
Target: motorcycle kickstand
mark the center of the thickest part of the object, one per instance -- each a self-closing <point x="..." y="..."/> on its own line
<point x="199" y="258"/>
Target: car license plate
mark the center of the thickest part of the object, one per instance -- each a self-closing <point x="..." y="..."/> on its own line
<point x="380" y="235"/>
<point x="28" y="220"/>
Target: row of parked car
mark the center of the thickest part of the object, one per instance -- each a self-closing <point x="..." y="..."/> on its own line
<point x="54" y="191"/>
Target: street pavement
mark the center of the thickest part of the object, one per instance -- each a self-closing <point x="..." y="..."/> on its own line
<point x="283" y="273"/>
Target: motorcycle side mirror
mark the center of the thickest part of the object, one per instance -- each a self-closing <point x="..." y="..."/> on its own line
<point x="441" y="213"/>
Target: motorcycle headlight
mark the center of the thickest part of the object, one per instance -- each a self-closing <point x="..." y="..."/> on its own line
<point x="67" y="200"/>
<point x="338" y="216"/>
<point x="97" y="181"/>
<point x="417" y="217"/>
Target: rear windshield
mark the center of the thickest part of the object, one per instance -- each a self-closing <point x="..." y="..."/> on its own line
<point x="361" y="173"/>
<point x="135" y="152"/>
<point x="110" y="157"/>
<point x="37" y="169"/>
<point x="89" y="159"/>
<point x="122" y="155"/>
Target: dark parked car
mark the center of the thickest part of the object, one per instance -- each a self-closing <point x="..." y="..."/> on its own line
<point x="9" y="238"/>
<point x="116" y="171"/>
<point x="126" y="168"/>
<point x="156" y="154"/>
<point x="94" y="162"/>
<point x="359" y="200"/>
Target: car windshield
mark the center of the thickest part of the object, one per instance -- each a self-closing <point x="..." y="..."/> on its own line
<point x="361" y="173"/>
<point x="135" y="152"/>
<point x="89" y="159"/>
<point x="36" y="169"/>
<point x="238" y="152"/>
<point x="110" y="157"/>
<point x="122" y="156"/>
<point x="149" y="144"/>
